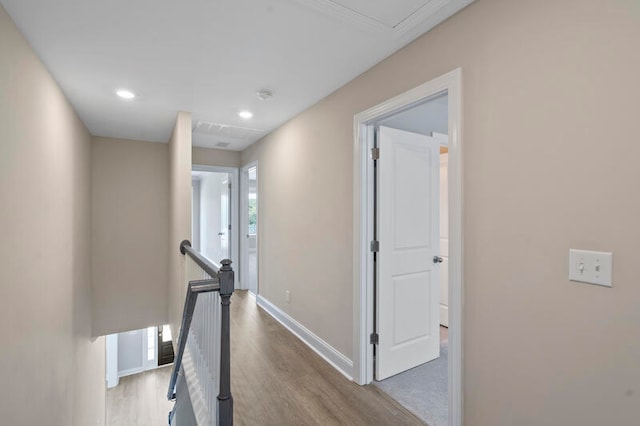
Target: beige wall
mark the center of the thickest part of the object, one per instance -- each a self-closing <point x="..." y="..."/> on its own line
<point x="550" y="162"/>
<point x="215" y="157"/>
<point x="180" y="214"/>
<point x="130" y="218"/>
<point x="52" y="371"/>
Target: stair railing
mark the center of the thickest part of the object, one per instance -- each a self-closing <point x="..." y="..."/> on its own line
<point x="206" y="341"/>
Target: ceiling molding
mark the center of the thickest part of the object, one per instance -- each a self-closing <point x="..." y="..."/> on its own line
<point x="224" y="130"/>
<point x="421" y="15"/>
<point x="417" y="23"/>
<point x="426" y="18"/>
<point x="350" y="16"/>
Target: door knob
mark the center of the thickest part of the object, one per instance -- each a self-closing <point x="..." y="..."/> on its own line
<point x="220" y="233"/>
<point x="437" y="259"/>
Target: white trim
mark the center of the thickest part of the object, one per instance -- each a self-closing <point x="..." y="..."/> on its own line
<point x="233" y="171"/>
<point x="111" y="360"/>
<point x="138" y="370"/>
<point x="153" y="363"/>
<point x="441" y="138"/>
<point x="430" y="14"/>
<point x="346" y="14"/>
<point x="363" y="231"/>
<point x="131" y="371"/>
<point x="339" y="361"/>
<point x="244" y="226"/>
<point x="427" y="17"/>
<point x="195" y="213"/>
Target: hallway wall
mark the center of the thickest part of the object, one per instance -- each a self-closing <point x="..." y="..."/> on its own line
<point x="179" y="215"/>
<point x="130" y="242"/>
<point x="52" y="370"/>
<point x="215" y="157"/>
<point x="550" y="162"/>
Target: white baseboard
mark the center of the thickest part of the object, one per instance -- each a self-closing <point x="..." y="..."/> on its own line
<point x="336" y="359"/>
<point x="138" y="370"/>
<point x="131" y="371"/>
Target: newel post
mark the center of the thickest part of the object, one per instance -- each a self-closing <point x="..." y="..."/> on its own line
<point x="225" y="400"/>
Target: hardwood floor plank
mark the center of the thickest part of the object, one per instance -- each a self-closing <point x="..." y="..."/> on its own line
<point x="277" y="380"/>
<point x="140" y="399"/>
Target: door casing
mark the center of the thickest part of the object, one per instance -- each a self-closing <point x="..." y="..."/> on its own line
<point x="363" y="223"/>
<point x="244" y="226"/>
<point x="233" y="172"/>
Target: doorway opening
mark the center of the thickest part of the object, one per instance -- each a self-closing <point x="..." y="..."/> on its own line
<point x="138" y="369"/>
<point x="408" y="249"/>
<point x="136" y="351"/>
<point x="411" y="286"/>
<point x="214" y="212"/>
<point x="165" y="346"/>
<point x="249" y="227"/>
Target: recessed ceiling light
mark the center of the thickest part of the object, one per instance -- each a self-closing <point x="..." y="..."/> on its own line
<point x="245" y="114"/>
<point x="125" y="94"/>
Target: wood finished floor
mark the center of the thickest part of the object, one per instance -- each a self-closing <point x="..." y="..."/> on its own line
<point x="140" y="399"/>
<point x="277" y="380"/>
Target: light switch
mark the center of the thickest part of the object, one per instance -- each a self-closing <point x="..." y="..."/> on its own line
<point x="592" y="267"/>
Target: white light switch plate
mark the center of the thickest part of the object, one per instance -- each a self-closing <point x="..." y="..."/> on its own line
<point x="593" y="267"/>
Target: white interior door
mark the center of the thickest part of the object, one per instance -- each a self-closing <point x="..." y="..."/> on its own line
<point x="408" y="288"/>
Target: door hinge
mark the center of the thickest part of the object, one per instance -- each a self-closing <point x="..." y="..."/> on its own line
<point x="229" y="227"/>
<point x="375" y="246"/>
<point x="375" y="153"/>
<point x="373" y="338"/>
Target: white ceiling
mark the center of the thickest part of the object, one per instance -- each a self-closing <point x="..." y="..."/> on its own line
<point x="210" y="57"/>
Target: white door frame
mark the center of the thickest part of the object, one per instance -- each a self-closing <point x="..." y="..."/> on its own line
<point x="244" y="228"/>
<point x="233" y="172"/>
<point x="149" y="365"/>
<point x="363" y="178"/>
<point x="195" y="214"/>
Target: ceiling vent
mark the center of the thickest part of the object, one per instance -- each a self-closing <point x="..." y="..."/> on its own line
<point x="265" y="94"/>
<point x="222" y="144"/>
<point x="226" y="131"/>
